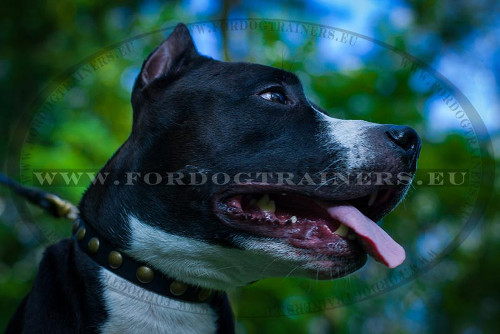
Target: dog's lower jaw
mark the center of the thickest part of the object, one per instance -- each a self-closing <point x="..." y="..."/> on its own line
<point x="132" y="309"/>
<point x="220" y="268"/>
<point x="197" y="262"/>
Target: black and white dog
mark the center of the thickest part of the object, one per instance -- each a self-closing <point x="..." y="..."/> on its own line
<point x="154" y="258"/>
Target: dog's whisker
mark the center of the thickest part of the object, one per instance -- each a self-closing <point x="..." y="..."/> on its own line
<point x="228" y="267"/>
<point x="326" y="182"/>
<point x="291" y="271"/>
<point x="268" y="265"/>
<point x="329" y="165"/>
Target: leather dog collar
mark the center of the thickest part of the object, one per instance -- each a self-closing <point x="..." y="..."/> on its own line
<point x="138" y="273"/>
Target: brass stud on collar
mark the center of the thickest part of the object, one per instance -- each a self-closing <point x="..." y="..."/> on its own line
<point x="76" y="225"/>
<point x="144" y="274"/>
<point x="204" y="294"/>
<point x="80" y="234"/>
<point x="178" y="288"/>
<point x="93" y="245"/>
<point x="115" y="259"/>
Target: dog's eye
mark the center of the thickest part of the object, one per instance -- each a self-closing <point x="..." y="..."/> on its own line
<point x="274" y="97"/>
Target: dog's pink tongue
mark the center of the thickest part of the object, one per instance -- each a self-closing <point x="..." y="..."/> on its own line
<point x="375" y="240"/>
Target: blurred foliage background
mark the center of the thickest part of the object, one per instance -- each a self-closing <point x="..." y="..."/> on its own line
<point x="44" y="42"/>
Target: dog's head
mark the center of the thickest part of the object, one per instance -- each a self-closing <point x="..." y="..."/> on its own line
<point x="311" y="210"/>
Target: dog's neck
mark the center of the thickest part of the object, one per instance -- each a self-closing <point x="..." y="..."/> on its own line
<point x="140" y="273"/>
<point x="132" y="309"/>
<point x="136" y="307"/>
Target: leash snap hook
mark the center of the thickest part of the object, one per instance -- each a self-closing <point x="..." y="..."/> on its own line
<point x="63" y="208"/>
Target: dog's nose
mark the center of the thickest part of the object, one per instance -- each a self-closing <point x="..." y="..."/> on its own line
<point x="408" y="139"/>
<point x="405" y="137"/>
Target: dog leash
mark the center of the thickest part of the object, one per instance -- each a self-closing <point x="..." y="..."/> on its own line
<point x="53" y="204"/>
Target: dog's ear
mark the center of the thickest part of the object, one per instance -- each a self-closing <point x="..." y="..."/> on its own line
<point x="176" y="50"/>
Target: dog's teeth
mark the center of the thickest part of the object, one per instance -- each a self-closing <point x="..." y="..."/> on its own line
<point x="267" y="205"/>
<point x="293" y="219"/>
<point x="342" y="230"/>
<point x="372" y="198"/>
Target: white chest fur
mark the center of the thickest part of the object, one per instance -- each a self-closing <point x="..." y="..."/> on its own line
<point x="132" y="309"/>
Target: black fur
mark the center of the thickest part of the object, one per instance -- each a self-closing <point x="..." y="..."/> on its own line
<point x="66" y="295"/>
